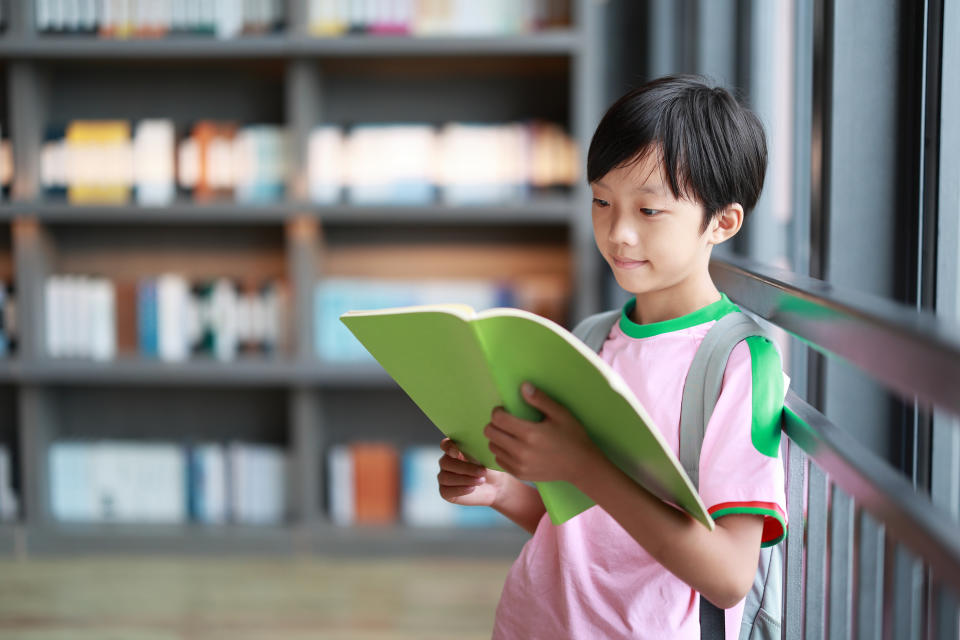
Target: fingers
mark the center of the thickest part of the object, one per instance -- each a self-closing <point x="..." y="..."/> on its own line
<point x="451" y="449"/>
<point x="450" y="479"/>
<point x="462" y="467"/>
<point x="504" y="458"/>
<point x="537" y="399"/>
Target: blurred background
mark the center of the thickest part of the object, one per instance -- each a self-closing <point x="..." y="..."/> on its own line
<point x="191" y="445"/>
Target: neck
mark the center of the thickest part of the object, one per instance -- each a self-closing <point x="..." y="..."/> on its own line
<point x="678" y="300"/>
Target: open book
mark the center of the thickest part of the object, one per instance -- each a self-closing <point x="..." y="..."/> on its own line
<point x="457" y="365"/>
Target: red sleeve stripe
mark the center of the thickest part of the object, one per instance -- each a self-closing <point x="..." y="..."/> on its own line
<point x="774" y="520"/>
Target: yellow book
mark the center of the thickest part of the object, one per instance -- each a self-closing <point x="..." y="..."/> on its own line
<point x="99" y="165"/>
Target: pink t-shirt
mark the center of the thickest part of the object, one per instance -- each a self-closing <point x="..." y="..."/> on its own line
<point x="588" y="578"/>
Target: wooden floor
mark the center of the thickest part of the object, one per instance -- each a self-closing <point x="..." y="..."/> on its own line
<point x="241" y="599"/>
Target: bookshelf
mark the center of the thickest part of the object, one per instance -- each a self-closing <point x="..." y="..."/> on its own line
<point x="288" y="397"/>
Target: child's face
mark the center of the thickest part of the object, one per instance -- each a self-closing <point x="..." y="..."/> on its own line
<point x="651" y="240"/>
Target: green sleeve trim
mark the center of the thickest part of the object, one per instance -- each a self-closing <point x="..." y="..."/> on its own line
<point x="772" y="534"/>
<point x="767" y="381"/>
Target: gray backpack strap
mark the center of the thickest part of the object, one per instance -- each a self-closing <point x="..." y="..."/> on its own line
<point x="700" y="392"/>
<point x="593" y="330"/>
<point x="702" y="385"/>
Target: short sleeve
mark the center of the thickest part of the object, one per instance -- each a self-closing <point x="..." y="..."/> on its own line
<point x="741" y="469"/>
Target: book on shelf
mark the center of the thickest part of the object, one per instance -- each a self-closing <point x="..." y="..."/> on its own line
<point x="167" y="317"/>
<point x="103" y="162"/>
<point x="167" y="483"/>
<point x="457" y="163"/>
<point x="122" y="19"/>
<point x="335" y="296"/>
<point x="457" y="365"/>
<point x="377" y="483"/>
<point x="332" y="18"/>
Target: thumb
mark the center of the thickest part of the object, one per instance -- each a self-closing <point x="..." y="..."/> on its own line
<point x="540" y="400"/>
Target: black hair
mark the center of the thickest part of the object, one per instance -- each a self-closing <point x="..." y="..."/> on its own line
<point x="711" y="147"/>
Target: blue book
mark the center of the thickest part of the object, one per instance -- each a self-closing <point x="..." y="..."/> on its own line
<point x="147" y="317"/>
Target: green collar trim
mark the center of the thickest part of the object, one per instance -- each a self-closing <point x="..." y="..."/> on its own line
<point x="713" y="311"/>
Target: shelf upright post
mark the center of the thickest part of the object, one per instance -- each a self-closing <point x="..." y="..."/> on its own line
<point x="585" y="90"/>
<point x="303" y="233"/>
<point x="37" y="426"/>
<point x="28" y="101"/>
<point x="305" y="408"/>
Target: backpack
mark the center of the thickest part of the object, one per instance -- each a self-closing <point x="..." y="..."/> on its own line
<point x="764" y="602"/>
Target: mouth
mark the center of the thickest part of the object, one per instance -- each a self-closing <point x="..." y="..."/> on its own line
<point x="627" y="263"/>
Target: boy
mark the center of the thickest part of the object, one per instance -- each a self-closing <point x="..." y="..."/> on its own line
<point x="674" y="166"/>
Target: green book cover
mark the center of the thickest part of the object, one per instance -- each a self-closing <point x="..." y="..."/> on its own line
<point x="457" y="365"/>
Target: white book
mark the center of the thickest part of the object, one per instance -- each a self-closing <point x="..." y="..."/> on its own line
<point x="223" y="308"/>
<point x="325" y="164"/>
<point x="71" y="482"/>
<point x="213" y="487"/>
<point x="229" y="18"/>
<point x="340" y="485"/>
<point x="178" y="14"/>
<point x="103" y="334"/>
<point x="161" y="483"/>
<point x="153" y="155"/>
<point x="421" y="504"/>
<point x="172" y="318"/>
<point x="52" y="312"/>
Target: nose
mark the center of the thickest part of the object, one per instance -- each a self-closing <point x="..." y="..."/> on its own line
<point x="622" y="230"/>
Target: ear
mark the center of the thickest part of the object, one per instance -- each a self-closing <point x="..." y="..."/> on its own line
<point x="725" y="224"/>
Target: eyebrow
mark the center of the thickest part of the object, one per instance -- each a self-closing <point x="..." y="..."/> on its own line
<point x="641" y="189"/>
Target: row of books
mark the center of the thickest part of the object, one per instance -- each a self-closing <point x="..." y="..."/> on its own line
<point x="156" y="482"/>
<point x="166" y="317"/>
<point x="460" y="163"/>
<point x="108" y="161"/>
<point x="9" y="504"/>
<point x="104" y="161"/>
<point x="335" y="296"/>
<point x="435" y="17"/>
<point x="8" y="319"/>
<point x="374" y="483"/>
<point x="158" y="18"/>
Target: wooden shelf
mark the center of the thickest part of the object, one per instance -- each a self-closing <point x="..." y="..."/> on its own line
<point x="74" y="47"/>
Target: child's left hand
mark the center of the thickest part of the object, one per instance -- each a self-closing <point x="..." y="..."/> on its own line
<point x="556" y="448"/>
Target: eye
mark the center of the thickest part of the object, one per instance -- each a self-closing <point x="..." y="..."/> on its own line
<point x="601" y="203"/>
<point x="649" y="213"/>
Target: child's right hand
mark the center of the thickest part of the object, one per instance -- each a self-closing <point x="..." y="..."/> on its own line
<point x="466" y="483"/>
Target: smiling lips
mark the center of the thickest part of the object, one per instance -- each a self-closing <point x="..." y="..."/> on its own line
<point x="627" y="263"/>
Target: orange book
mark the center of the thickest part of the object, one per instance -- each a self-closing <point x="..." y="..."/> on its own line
<point x="376" y="477"/>
<point x="126" y="322"/>
<point x="207" y="134"/>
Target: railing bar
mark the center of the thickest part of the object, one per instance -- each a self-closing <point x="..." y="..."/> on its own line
<point x="870" y="547"/>
<point x="793" y="562"/>
<point x="946" y="614"/>
<point x="921" y="352"/>
<point x="907" y="589"/>
<point x="841" y="563"/>
<point x="815" y="587"/>
<point x="908" y="516"/>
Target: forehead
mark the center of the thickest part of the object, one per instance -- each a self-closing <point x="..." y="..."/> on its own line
<point x="644" y="173"/>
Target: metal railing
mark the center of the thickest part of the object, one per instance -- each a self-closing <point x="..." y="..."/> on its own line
<point x="850" y="570"/>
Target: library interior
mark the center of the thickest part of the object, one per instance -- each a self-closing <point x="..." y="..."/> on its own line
<point x="194" y="445"/>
